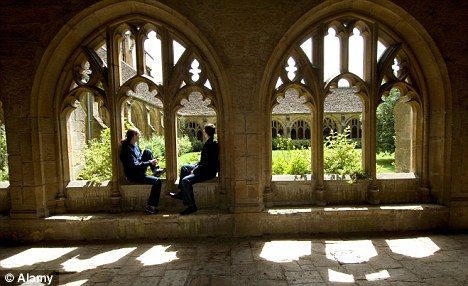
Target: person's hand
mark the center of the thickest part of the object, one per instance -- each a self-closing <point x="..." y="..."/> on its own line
<point x="154" y="162"/>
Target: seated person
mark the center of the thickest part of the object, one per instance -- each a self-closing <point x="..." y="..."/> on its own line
<point x="135" y="164"/>
<point x="204" y="170"/>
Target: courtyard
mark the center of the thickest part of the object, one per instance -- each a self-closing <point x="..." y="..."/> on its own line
<point x="377" y="259"/>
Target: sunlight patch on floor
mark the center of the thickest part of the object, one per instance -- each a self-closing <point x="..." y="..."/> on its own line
<point x="335" y="276"/>
<point x="285" y="250"/>
<point x="353" y="251"/>
<point x="157" y="255"/>
<point x="108" y="257"/>
<point x="413" y="247"/>
<point x="76" y="283"/>
<point x="381" y="275"/>
<point x="35" y="255"/>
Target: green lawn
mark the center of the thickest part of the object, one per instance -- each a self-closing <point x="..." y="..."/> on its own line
<point x="385" y="161"/>
<point x="282" y="160"/>
<point x="187" y="158"/>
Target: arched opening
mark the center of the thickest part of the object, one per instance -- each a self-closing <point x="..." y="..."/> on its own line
<point x="99" y="40"/>
<point x="195" y="112"/>
<point x="291" y="151"/>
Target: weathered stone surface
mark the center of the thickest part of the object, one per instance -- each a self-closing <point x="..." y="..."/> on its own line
<point x="244" y="37"/>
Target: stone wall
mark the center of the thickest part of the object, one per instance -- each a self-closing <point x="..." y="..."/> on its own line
<point x="243" y="34"/>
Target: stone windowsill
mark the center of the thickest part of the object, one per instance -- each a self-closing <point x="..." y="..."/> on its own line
<point x="291" y="178"/>
<point x="396" y="176"/>
<point x="87" y="184"/>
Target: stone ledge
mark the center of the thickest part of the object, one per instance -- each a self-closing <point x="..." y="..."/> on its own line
<point x="212" y="223"/>
<point x="83" y="197"/>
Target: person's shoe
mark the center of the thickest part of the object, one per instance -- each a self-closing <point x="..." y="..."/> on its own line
<point x="158" y="172"/>
<point x="151" y="209"/>
<point x="189" y="210"/>
<point x="177" y="196"/>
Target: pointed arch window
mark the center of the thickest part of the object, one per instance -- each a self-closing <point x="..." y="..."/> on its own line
<point x="348" y="64"/>
<point x="123" y="77"/>
<point x="277" y="129"/>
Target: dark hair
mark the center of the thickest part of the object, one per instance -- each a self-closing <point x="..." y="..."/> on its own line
<point x="210" y="129"/>
<point x="130" y="133"/>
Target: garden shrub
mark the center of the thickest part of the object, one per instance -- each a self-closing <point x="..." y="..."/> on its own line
<point x="282" y="143"/>
<point x="197" y="145"/>
<point x="300" y="163"/>
<point x="292" y="162"/>
<point x="97" y="153"/>
<point x="341" y="156"/>
<point x="184" y="145"/>
<point x="280" y="166"/>
<point x="156" y="144"/>
<point x="301" y="143"/>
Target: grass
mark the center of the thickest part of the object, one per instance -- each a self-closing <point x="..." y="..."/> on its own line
<point x="385" y="161"/>
<point x="187" y="158"/>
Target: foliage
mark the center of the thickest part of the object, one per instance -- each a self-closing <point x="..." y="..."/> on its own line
<point x="188" y="158"/>
<point x="293" y="162"/>
<point x="301" y="143"/>
<point x="97" y="153"/>
<point x="155" y="144"/>
<point x="386" y="122"/>
<point x="184" y="145"/>
<point x="282" y="143"/>
<point x="300" y="165"/>
<point x="341" y="156"/>
<point x="197" y="145"/>
<point x="3" y="155"/>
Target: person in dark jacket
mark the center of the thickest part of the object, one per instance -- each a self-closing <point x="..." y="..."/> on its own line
<point x="135" y="164"/>
<point x="204" y="170"/>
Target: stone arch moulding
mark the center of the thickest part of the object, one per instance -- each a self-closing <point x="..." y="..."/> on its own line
<point x="432" y="71"/>
<point x="47" y="81"/>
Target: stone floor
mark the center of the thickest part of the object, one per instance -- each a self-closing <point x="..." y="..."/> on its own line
<point x="409" y="259"/>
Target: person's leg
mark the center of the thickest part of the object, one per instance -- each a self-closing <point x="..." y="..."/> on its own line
<point x="146" y="156"/>
<point x="155" y="183"/>
<point x="188" y="196"/>
<point x="185" y="170"/>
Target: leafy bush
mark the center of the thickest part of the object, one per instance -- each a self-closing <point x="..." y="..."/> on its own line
<point x="97" y="153"/>
<point x="301" y="143"/>
<point x="279" y="165"/>
<point x="3" y="155"/>
<point x="341" y="156"/>
<point x="155" y="143"/>
<point x="197" y="145"/>
<point x="300" y="165"/>
<point x="184" y="145"/>
<point x="292" y="162"/>
<point x="282" y="143"/>
<point x="187" y="158"/>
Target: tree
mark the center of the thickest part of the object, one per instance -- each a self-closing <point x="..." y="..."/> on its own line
<point x="386" y="122"/>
